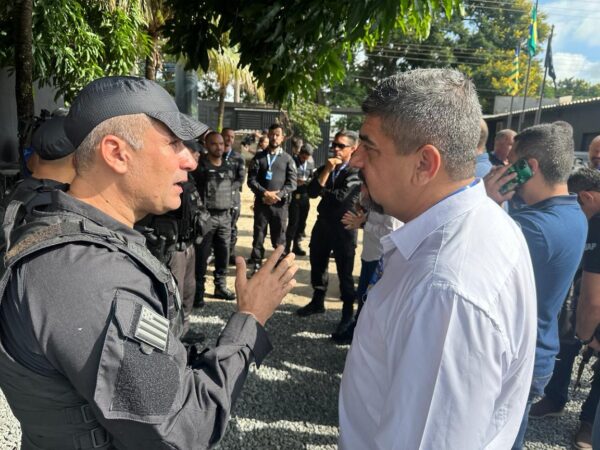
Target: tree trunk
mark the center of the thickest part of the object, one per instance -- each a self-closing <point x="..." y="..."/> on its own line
<point x="152" y="60"/>
<point x="236" y="90"/>
<point x="24" y="72"/>
<point x="221" y="108"/>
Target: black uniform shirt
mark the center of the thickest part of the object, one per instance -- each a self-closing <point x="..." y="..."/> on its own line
<point x="283" y="174"/>
<point x="339" y="194"/>
<point x="591" y="253"/>
<point x="238" y="165"/>
<point x="69" y="312"/>
<point x="305" y="172"/>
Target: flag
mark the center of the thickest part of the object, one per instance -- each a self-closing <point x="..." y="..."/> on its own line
<point x="532" y="41"/>
<point x="514" y="74"/>
<point x="549" y="63"/>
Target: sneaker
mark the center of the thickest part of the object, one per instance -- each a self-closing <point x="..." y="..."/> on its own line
<point x="224" y="293"/>
<point x="310" y="309"/>
<point x="545" y="408"/>
<point x="583" y="437"/>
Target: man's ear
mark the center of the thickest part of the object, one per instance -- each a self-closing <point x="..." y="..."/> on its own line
<point x="585" y="197"/>
<point x="427" y="164"/>
<point x="534" y="164"/>
<point x="115" y="153"/>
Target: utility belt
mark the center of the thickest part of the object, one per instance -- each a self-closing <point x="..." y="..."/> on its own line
<point x="219" y="212"/>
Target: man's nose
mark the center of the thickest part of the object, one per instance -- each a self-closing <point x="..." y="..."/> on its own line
<point x="187" y="161"/>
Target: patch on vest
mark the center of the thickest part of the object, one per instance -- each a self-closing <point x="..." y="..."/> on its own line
<point x="152" y="328"/>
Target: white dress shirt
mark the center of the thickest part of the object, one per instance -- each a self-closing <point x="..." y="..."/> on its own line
<point x="376" y="226"/>
<point x="443" y="352"/>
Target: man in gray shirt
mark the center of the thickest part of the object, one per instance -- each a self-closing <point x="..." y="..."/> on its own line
<point x="90" y="322"/>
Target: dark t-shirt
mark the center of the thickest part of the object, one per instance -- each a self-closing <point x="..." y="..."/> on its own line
<point x="591" y="253"/>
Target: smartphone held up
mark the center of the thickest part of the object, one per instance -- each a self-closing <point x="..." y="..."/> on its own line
<point x="524" y="173"/>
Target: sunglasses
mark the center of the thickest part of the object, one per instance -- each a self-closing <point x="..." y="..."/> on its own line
<point x="339" y="145"/>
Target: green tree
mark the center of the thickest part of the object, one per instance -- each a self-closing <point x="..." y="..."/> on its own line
<point x="304" y="118"/>
<point x="481" y="44"/>
<point x="294" y="48"/>
<point x="579" y="89"/>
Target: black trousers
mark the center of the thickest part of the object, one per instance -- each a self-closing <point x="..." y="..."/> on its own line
<point x="330" y="236"/>
<point x="235" y="215"/>
<point x="274" y="216"/>
<point x="299" y="207"/>
<point x="217" y="238"/>
<point x="182" y="264"/>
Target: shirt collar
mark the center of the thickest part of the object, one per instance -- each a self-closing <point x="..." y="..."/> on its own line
<point x="408" y="238"/>
<point x="65" y="202"/>
<point x="483" y="157"/>
<point x="277" y="151"/>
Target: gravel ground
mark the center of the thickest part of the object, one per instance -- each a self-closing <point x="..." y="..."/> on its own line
<point x="291" y="401"/>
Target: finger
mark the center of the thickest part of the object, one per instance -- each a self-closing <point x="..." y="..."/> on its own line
<point x="289" y="274"/>
<point x="288" y="287"/>
<point x="240" y="274"/>
<point x="284" y="265"/>
<point x="272" y="260"/>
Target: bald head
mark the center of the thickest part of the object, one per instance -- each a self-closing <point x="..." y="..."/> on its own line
<point x="503" y="143"/>
<point x="594" y="153"/>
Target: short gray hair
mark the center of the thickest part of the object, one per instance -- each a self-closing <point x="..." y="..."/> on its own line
<point x="352" y="135"/>
<point x="130" y="128"/>
<point x="551" y="144"/>
<point x="430" y="106"/>
<point x="507" y="132"/>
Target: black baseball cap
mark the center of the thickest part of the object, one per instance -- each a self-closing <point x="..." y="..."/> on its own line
<point x="50" y="142"/>
<point x="109" y="97"/>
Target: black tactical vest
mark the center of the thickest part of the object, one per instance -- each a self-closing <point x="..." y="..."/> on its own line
<point x="51" y="413"/>
<point x="217" y="185"/>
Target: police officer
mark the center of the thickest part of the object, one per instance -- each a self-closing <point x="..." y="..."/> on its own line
<point x="272" y="178"/>
<point x="171" y="237"/>
<point x="89" y="319"/>
<point x="54" y="163"/>
<point x="300" y="204"/>
<point x="238" y="165"/>
<point x="339" y="188"/>
<point x="215" y="180"/>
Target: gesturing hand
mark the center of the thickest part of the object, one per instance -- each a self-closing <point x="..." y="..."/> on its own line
<point x="353" y="221"/>
<point x="263" y="293"/>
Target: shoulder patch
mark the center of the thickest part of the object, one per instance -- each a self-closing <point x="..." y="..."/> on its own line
<point x="152" y="329"/>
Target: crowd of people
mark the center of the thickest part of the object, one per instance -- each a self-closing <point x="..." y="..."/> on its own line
<point x="474" y="299"/>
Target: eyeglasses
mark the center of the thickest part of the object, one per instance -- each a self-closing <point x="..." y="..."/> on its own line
<point x="335" y="145"/>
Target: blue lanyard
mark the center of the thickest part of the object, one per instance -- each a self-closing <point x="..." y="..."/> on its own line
<point x="336" y="172"/>
<point x="270" y="162"/>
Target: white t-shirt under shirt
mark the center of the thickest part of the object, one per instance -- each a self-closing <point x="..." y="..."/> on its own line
<point x="443" y="351"/>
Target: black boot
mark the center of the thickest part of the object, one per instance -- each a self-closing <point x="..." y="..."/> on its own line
<point x="199" y="298"/>
<point x="221" y="291"/>
<point x="346" y="322"/>
<point x="316" y="305"/>
<point x="299" y="251"/>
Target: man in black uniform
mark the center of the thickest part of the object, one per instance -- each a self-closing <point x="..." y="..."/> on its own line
<point x="272" y="178"/>
<point x="54" y="164"/>
<point x="171" y="237"/>
<point x="300" y="204"/>
<point x="215" y="179"/>
<point x="339" y="188"/>
<point x="238" y="166"/>
<point x="89" y="319"/>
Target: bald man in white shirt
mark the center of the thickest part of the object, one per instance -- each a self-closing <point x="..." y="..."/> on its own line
<point x="443" y="350"/>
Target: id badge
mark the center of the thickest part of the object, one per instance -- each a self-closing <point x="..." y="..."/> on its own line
<point x="269" y="175"/>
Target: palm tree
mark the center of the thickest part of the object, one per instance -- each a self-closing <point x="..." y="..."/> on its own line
<point x="224" y="63"/>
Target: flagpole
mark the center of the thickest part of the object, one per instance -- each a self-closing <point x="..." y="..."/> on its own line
<point x="510" y="113"/>
<point x="522" y="115"/>
<point x="530" y="52"/>
<point x="538" y="113"/>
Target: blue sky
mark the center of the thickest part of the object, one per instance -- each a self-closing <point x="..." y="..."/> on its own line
<point x="576" y="43"/>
